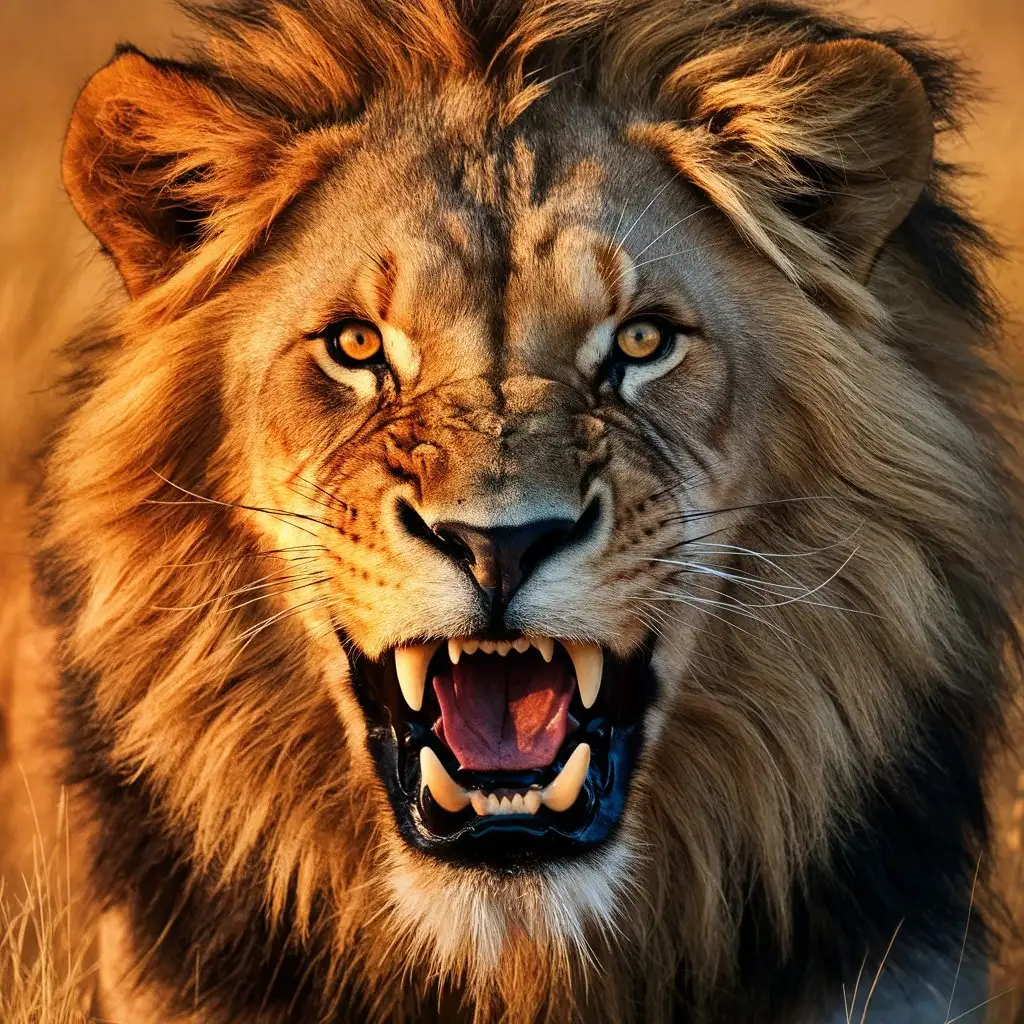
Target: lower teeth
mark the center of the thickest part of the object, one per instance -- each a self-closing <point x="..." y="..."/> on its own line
<point x="559" y="795"/>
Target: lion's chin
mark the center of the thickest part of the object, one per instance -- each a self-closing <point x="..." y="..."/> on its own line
<point x="507" y="751"/>
<point x="468" y="923"/>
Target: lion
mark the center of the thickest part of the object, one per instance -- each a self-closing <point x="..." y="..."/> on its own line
<point x="540" y="539"/>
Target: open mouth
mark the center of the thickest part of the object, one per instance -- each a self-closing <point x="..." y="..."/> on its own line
<point x="505" y="748"/>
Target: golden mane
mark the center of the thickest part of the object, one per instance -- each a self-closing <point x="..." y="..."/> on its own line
<point x="288" y="77"/>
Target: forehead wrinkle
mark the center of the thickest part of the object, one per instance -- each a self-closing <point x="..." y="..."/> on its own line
<point x="385" y="280"/>
<point x="617" y="273"/>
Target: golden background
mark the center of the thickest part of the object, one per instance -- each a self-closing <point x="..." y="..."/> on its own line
<point x="50" y="275"/>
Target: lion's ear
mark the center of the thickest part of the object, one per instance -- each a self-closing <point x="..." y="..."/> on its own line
<point x="838" y="135"/>
<point x="152" y="151"/>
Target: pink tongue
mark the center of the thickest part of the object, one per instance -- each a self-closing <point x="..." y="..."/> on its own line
<point x="504" y="714"/>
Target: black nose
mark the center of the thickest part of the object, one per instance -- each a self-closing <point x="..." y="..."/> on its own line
<point x="499" y="558"/>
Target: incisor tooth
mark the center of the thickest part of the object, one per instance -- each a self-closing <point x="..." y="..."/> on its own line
<point x="545" y="645"/>
<point x="443" y="788"/>
<point x="411" y="667"/>
<point x="470" y="646"/>
<point x="504" y="648"/>
<point x="561" y="794"/>
<point x="518" y="803"/>
<point x="521" y="645"/>
<point x="588" y="661"/>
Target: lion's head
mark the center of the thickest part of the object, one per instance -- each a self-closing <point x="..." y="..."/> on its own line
<point x="535" y="510"/>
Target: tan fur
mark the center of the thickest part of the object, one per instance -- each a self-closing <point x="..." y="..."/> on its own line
<point x="224" y="686"/>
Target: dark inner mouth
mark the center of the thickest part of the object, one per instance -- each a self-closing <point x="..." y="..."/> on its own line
<point x="504" y="714"/>
<point x="503" y="762"/>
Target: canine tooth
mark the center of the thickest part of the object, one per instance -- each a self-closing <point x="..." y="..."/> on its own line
<point x="443" y="788"/>
<point x="522" y="645"/>
<point x="588" y="661"/>
<point x="479" y="802"/>
<point x="503" y="648"/>
<point x="411" y="667"/>
<point x="454" y="650"/>
<point x="493" y="804"/>
<point x="561" y="794"/>
<point x="532" y="801"/>
<point x="545" y="645"/>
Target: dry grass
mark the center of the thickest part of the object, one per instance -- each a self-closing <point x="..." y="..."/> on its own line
<point x="49" y="279"/>
<point x="45" y="969"/>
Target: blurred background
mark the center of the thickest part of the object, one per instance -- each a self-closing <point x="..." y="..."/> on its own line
<point x="51" y="276"/>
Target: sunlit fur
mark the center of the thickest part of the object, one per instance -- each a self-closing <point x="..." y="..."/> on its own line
<point x="200" y="533"/>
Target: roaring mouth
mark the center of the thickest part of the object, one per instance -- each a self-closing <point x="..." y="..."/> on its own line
<point x="503" y="748"/>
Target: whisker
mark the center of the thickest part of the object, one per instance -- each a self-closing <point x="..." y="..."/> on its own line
<point x="279" y="553"/>
<point x="805" y="553"/>
<point x="199" y="499"/>
<point x="730" y="577"/>
<point x="313" y="577"/>
<point x="316" y="581"/>
<point x="698" y="603"/>
<point x="705" y="513"/>
<point x="736" y="602"/>
<point x="333" y="502"/>
<point x="252" y="632"/>
<point x="711" y="246"/>
<point x="643" y="212"/>
<point x="671" y="227"/>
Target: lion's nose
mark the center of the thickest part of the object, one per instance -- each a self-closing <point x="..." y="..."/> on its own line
<point x="499" y="558"/>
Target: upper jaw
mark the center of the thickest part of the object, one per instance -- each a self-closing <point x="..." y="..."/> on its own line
<point x="413" y="660"/>
<point x="561" y="795"/>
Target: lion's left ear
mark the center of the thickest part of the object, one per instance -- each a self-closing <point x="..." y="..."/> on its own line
<point x="162" y="165"/>
<point x="837" y="136"/>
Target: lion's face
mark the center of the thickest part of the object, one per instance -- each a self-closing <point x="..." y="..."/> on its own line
<point x="511" y="423"/>
<point x="547" y="495"/>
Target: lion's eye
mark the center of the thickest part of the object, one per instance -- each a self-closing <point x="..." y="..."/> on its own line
<point x="640" y="339"/>
<point x="354" y="343"/>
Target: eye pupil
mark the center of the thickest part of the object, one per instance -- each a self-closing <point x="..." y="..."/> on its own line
<point x="640" y="339"/>
<point x="353" y="342"/>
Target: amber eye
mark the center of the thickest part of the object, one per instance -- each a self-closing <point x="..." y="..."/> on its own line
<point x="354" y="343"/>
<point x="640" y="339"/>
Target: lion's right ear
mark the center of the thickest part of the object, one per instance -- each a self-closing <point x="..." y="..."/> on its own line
<point x="154" y="153"/>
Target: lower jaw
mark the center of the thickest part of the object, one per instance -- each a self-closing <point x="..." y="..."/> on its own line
<point x="613" y="729"/>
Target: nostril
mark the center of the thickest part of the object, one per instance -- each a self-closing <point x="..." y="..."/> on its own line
<point x="454" y="546"/>
<point x="443" y="540"/>
<point x="545" y="545"/>
<point x="558" y="533"/>
<point x="584" y="526"/>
